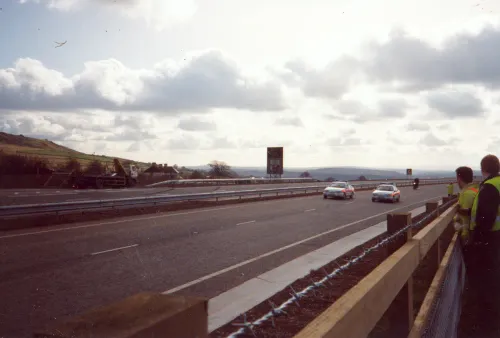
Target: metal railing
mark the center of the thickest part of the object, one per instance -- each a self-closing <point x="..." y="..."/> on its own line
<point x="148" y="201"/>
<point x="258" y="180"/>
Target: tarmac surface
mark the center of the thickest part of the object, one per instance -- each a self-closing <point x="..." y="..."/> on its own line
<point x="61" y="271"/>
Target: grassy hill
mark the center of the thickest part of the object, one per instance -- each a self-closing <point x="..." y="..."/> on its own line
<point x="51" y="152"/>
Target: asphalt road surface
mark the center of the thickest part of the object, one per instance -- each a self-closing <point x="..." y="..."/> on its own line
<point x="35" y="196"/>
<point x="62" y="271"/>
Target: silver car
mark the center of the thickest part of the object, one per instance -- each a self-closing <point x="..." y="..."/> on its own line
<point x="386" y="192"/>
<point x="339" y="190"/>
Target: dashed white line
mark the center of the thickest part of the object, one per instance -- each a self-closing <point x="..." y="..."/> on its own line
<point x="246" y="222"/>
<point x="309" y="210"/>
<point x="116" y="249"/>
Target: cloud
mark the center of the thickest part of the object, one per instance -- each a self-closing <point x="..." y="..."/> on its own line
<point x="196" y="124"/>
<point x="431" y="140"/>
<point x="356" y="111"/>
<point x="131" y="134"/>
<point x="493" y="145"/>
<point x="342" y="142"/>
<point x="222" y="143"/>
<point x="157" y="13"/>
<point x="411" y="64"/>
<point x="289" y="121"/>
<point x="392" y="108"/>
<point x="417" y="126"/>
<point x="455" y="104"/>
<point x="208" y="80"/>
<point x="331" y="82"/>
<point x="32" y="126"/>
<point x="184" y="142"/>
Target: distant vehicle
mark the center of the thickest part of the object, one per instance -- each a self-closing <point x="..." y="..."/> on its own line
<point x="339" y="190"/>
<point x="386" y="192"/>
<point x="121" y="178"/>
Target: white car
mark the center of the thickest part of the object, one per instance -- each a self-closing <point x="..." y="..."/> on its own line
<point x="339" y="190"/>
<point x="386" y="192"/>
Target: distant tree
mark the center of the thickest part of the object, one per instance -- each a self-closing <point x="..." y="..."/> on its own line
<point x="176" y="167"/>
<point x="305" y="174"/>
<point x="95" y="168"/>
<point x="219" y="169"/>
<point x="72" y="164"/>
<point x="362" y="178"/>
<point x="197" y="175"/>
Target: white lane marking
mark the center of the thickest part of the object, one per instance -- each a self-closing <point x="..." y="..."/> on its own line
<point x="309" y="210"/>
<point x="144" y="218"/>
<point x="115" y="249"/>
<point x="246" y="222"/>
<point x="251" y="260"/>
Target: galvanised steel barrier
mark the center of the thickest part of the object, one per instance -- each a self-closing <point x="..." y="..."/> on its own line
<point x="147" y="201"/>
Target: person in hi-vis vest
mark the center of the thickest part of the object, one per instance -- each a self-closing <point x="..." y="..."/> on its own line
<point x="482" y="304"/>
<point x="450" y="189"/>
<point x="468" y="192"/>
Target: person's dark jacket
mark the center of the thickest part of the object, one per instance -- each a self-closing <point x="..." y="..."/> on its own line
<point x="487" y="206"/>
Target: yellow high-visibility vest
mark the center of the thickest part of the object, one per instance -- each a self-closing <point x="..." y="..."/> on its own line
<point x="466" y="201"/>
<point x="495" y="181"/>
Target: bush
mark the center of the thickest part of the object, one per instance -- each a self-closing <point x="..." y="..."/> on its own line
<point x="197" y="175"/>
<point x="72" y="165"/>
<point x="20" y="165"/>
<point x="95" y="168"/>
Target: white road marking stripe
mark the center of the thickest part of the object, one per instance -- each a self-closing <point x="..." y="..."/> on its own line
<point x="246" y="222"/>
<point x="251" y="260"/>
<point x="110" y="250"/>
<point x="308" y="210"/>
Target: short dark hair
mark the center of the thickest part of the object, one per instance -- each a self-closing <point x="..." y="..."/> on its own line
<point x="465" y="174"/>
<point x="490" y="164"/>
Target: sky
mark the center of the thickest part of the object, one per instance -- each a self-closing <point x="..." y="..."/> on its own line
<point x="380" y="83"/>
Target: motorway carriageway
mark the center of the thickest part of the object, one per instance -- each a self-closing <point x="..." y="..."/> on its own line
<point x="34" y="196"/>
<point x="59" y="271"/>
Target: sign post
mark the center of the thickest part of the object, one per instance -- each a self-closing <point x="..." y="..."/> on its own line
<point x="275" y="162"/>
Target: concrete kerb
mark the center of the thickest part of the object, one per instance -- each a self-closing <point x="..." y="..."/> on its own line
<point x="227" y="306"/>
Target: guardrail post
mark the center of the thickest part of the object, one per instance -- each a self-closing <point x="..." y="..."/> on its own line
<point x="395" y="223"/>
<point x="141" y="315"/>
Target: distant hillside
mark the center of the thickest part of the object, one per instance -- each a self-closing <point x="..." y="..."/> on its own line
<point x="340" y="173"/>
<point x="53" y="153"/>
<point x="21" y="141"/>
